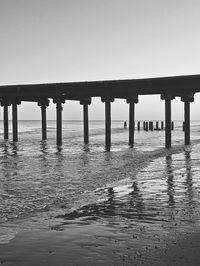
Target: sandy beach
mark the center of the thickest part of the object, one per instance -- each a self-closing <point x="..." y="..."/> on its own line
<point x="97" y="244"/>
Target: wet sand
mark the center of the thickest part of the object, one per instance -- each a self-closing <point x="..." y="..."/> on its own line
<point x="150" y="218"/>
<point x="98" y="244"/>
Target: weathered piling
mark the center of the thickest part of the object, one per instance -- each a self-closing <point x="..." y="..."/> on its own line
<point x="151" y="125"/>
<point x="14" y="121"/>
<point x="5" y="103"/>
<point x="183" y="126"/>
<point x="5" y="120"/>
<point x="59" y="123"/>
<point x="144" y="125"/>
<point x="131" y="122"/>
<point x="107" y="101"/>
<point x="147" y="126"/>
<point x="157" y="125"/>
<point x="187" y="122"/>
<point x="187" y="99"/>
<point x="167" y="99"/>
<point x="85" y="103"/>
<point x="43" y="103"/>
<point x="132" y="102"/>
<point x="44" y="122"/>
<point x="172" y="125"/>
<point x="162" y="125"/>
<point x="58" y="101"/>
<point x="138" y="126"/>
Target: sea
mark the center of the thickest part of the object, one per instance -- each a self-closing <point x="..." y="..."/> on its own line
<point x="42" y="185"/>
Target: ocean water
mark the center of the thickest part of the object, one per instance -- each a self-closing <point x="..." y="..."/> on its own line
<point x="45" y="186"/>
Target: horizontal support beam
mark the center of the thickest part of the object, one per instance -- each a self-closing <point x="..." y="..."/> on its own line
<point x="175" y="86"/>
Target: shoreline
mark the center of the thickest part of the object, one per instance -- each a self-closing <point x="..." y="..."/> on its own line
<point x="97" y="244"/>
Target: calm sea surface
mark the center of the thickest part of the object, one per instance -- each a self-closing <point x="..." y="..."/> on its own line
<point x="41" y="184"/>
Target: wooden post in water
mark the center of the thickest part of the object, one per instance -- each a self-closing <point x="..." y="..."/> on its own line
<point x="85" y="103"/>
<point x="107" y="101"/>
<point x="162" y="125"/>
<point x="147" y="126"/>
<point x="187" y="99"/>
<point x="144" y="125"/>
<point x="59" y="109"/>
<point x="157" y="125"/>
<point x="172" y="125"/>
<point x="131" y="102"/>
<point x="43" y="103"/>
<point x="14" y="119"/>
<point x="183" y="126"/>
<point x="138" y="125"/>
<point x="151" y="125"/>
<point x="167" y="99"/>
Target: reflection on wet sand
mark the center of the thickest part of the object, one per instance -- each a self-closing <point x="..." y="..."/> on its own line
<point x="170" y="181"/>
<point x="138" y="203"/>
<point x="189" y="181"/>
<point x="130" y="206"/>
<point x="130" y="222"/>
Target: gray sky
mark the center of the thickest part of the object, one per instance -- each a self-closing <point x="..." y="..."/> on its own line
<point x="78" y="40"/>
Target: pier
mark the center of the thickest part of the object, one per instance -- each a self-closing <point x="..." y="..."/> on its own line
<point x="168" y="88"/>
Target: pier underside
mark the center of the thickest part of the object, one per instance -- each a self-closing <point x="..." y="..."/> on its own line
<point x="168" y="87"/>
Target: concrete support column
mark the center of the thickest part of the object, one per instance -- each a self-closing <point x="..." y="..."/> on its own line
<point x="59" y="109"/>
<point x="59" y="123"/>
<point x="44" y="122"/>
<point x="5" y="103"/>
<point x="85" y="103"/>
<point x="132" y="102"/>
<point x="187" y="99"/>
<point x="43" y="103"/>
<point x="15" y="120"/>
<point x="131" y="122"/>
<point x="5" y="121"/>
<point x="167" y="99"/>
<point x="107" y="101"/>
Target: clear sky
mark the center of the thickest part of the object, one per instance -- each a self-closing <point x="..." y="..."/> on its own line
<point x="46" y="41"/>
